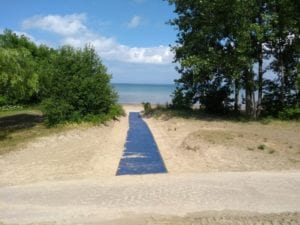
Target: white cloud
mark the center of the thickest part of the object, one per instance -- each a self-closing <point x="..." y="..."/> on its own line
<point x="110" y="49"/>
<point x="64" y="25"/>
<point x="134" y="22"/>
<point x="154" y="55"/>
<point x="74" y="32"/>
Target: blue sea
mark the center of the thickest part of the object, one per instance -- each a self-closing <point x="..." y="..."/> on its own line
<point x="138" y="93"/>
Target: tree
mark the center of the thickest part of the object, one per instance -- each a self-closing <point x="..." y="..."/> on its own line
<point x="199" y="51"/>
<point x="220" y="43"/>
<point x="281" y="91"/>
<point x="18" y="79"/>
<point x="79" y="88"/>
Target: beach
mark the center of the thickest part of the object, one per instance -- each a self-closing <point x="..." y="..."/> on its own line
<point x="213" y="166"/>
<point x="213" y="145"/>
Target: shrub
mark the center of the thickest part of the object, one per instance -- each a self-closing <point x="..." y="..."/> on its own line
<point x="147" y="107"/>
<point x="116" y="110"/>
<point x="3" y="101"/>
<point x="18" y="77"/>
<point x="80" y="88"/>
<point x="261" y="147"/>
<point x="181" y="99"/>
<point x="290" y="114"/>
<point x="216" y="101"/>
<point x="56" y="111"/>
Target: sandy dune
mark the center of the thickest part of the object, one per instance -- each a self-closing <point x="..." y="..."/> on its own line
<point x="69" y="178"/>
<point x="92" y="152"/>
<point x="189" y="145"/>
<point x="77" y="154"/>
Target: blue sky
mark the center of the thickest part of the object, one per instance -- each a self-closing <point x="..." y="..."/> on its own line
<point x="131" y="36"/>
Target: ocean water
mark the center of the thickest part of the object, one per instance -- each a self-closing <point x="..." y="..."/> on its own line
<point x="138" y="93"/>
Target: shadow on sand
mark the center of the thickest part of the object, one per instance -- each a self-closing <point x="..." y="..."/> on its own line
<point x="10" y="124"/>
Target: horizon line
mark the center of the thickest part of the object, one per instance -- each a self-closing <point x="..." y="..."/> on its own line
<point x="143" y="83"/>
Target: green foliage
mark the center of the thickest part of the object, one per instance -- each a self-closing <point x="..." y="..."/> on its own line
<point x="223" y="40"/>
<point x="290" y="114"/>
<point x="147" y="107"/>
<point x="216" y="101"/>
<point x="298" y="77"/>
<point x="80" y="84"/>
<point x="72" y="84"/>
<point x="24" y="69"/>
<point x="181" y="99"/>
<point x="11" y="108"/>
<point x="116" y="111"/>
<point x="18" y="80"/>
<point x="277" y="97"/>
<point x="57" y="110"/>
<point x="3" y="101"/>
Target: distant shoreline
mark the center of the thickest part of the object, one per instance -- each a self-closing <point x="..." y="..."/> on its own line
<point x="150" y="84"/>
<point x="138" y="93"/>
<point x="131" y="104"/>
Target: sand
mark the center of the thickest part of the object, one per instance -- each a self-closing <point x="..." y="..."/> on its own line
<point x="214" y="178"/>
<point x="161" y="196"/>
<point x="77" y="154"/>
<point x="189" y="145"/>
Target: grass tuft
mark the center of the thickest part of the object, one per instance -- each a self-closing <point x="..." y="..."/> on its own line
<point x="261" y="147"/>
<point x="271" y="151"/>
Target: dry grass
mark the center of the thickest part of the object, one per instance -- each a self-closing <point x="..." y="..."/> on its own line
<point x="270" y="139"/>
<point x="202" y="143"/>
<point x="18" y="127"/>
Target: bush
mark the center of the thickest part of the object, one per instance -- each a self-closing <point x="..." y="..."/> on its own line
<point x="147" y="107"/>
<point x="56" y="111"/>
<point x="290" y="114"/>
<point x="217" y="101"/>
<point x="18" y="78"/>
<point x="115" y="111"/>
<point x="3" y="101"/>
<point x="80" y="88"/>
<point x="261" y="147"/>
<point x="59" y="111"/>
<point x="181" y="99"/>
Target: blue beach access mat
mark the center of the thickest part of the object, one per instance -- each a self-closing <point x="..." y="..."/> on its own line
<point x="141" y="155"/>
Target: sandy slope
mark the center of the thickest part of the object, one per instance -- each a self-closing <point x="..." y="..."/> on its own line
<point x="189" y="145"/>
<point x="69" y="178"/>
<point x="80" y="153"/>
<point x="186" y="146"/>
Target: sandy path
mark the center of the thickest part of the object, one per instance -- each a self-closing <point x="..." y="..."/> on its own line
<point x="77" y="154"/>
<point x="91" y="201"/>
<point x="69" y="178"/>
<point x="81" y="153"/>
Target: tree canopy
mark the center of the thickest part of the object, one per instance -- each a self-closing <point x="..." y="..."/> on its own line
<point x="71" y="84"/>
<point x="225" y="47"/>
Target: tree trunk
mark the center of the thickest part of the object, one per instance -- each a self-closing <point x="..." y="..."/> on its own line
<point x="260" y="81"/>
<point x="249" y="92"/>
<point x="236" y="95"/>
<point x="258" y="106"/>
<point x="282" y="94"/>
